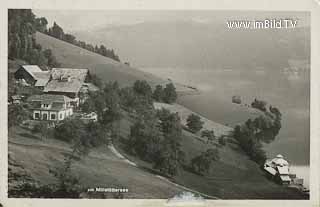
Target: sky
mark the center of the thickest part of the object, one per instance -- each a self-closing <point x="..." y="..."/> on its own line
<point x="87" y="20"/>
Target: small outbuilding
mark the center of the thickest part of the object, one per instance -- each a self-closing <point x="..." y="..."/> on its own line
<point x="32" y="75"/>
<point x="278" y="168"/>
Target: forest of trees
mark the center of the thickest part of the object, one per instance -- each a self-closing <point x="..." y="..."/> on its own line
<point x="167" y="94"/>
<point x="262" y="129"/>
<point x="22" y="25"/>
<point x="57" y="32"/>
<point x="154" y="136"/>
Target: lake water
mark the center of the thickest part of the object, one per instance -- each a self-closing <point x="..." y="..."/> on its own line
<point x="289" y="93"/>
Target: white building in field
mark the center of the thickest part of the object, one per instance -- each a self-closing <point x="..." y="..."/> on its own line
<point x="50" y="107"/>
<point x="278" y="168"/>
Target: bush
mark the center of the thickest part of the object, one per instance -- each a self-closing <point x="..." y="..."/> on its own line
<point x="169" y="93"/>
<point x="69" y="130"/>
<point x="142" y="87"/>
<point x="194" y="123"/>
<point x="209" y="134"/>
<point x="202" y="163"/>
<point x="259" y="104"/>
<point x="158" y="93"/>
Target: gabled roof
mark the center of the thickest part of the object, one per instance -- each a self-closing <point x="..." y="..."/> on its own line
<point x="49" y="98"/>
<point x="89" y="87"/>
<point x="285" y="178"/>
<point x="79" y="74"/>
<point x="31" y="68"/>
<point x="42" y="77"/>
<point x="283" y="170"/>
<point x="280" y="161"/>
<point x="66" y="80"/>
<point x="72" y="86"/>
<point x="271" y="170"/>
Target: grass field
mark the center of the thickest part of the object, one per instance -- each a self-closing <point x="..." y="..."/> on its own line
<point x="105" y="68"/>
<point x="234" y="176"/>
<point x="101" y="168"/>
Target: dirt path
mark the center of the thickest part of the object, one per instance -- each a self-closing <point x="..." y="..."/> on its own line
<point x="120" y="156"/>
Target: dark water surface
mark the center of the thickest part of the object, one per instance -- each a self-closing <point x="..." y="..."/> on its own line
<point x="290" y="93"/>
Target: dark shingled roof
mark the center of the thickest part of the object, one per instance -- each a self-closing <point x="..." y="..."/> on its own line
<point x="49" y="98"/>
<point x="66" y="80"/>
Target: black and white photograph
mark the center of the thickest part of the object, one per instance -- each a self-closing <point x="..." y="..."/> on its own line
<point x="172" y="104"/>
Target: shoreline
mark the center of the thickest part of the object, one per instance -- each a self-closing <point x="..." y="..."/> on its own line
<point x="187" y="90"/>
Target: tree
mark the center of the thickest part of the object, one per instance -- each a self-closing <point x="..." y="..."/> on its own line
<point x="170" y="157"/>
<point x="17" y="114"/>
<point x="103" y="50"/>
<point x="194" y="123"/>
<point x="21" y="27"/>
<point x="70" y="130"/>
<point x="41" y="24"/>
<point x="158" y="93"/>
<point x="259" y="104"/>
<point x="57" y="31"/>
<point x="145" y="138"/>
<point x="97" y="134"/>
<point x="209" y="134"/>
<point x="202" y="163"/>
<point x="70" y="38"/>
<point x="112" y="112"/>
<point x="249" y="143"/>
<point x="142" y="87"/>
<point x="170" y="94"/>
<point x="41" y="128"/>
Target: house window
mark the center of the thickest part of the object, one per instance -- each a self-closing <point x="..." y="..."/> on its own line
<point x="37" y="115"/>
<point x="45" y="116"/>
<point x="45" y="105"/>
<point x="61" y="116"/>
<point x="53" y="117"/>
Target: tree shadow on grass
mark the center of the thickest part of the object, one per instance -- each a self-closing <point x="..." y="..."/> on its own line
<point x="27" y="135"/>
<point x="191" y="170"/>
<point x="235" y="147"/>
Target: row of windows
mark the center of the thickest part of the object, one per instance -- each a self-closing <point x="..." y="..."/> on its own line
<point x="45" y="116"/>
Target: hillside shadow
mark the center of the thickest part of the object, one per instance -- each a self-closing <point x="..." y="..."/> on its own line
<point x="27" y="135"/>
<point x="191" y="170"/>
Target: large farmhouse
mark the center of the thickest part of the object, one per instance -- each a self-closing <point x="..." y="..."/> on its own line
<point x="63" y="90"/>
<point x="67" y="82"/>
<point x="50" y="107"/>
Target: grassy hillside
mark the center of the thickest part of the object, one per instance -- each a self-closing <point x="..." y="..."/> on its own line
<point x="234" y="176"/>
<point x="107" y="69"/>
<point x="29" y="155"/>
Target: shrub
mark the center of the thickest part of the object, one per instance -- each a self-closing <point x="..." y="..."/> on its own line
<point x="209" y="134"/>
<point x="194" y="123"/>
<point x="158" y="93"/>
<point x="169" y="93"/>
<point x="202" y="163"/>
